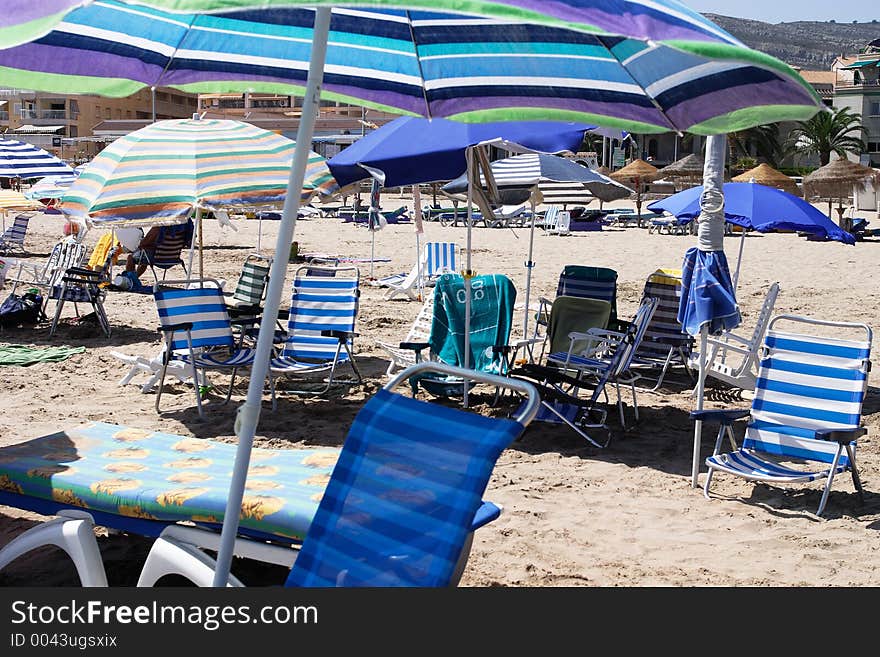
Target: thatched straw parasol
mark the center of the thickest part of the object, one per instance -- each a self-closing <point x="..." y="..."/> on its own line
<point x="837" y="180"/>
<point x="766" y="175"/>
<point x="689" y="169"/>
<point x="636" y="174"/>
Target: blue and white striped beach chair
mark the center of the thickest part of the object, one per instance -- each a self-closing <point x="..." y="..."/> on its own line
<point x="12" y="239"/>
<point x="437" y="258"/>
<point x="198" y="331"/>
<point x="320" y="327"/>
<point x="806" y="414"/>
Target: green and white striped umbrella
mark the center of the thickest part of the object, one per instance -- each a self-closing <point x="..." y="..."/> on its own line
<point x="161" y="173"/>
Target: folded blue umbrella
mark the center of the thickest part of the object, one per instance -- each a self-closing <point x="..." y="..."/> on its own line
<point x="707" y="296"/>
<point x="758" y="207"/>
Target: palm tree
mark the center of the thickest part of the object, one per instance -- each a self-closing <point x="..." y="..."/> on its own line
<point x="766" y="141"/>
<point x="839" y="131"/>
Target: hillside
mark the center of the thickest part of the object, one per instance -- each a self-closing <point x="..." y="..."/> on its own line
<point x="808" y="44"/>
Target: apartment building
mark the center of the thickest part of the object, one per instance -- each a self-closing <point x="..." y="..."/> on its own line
<point x="63" y="124"/>
<point x="857" y="86"/>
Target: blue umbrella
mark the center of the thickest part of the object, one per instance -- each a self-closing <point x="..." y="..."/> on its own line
<point x="758" y="207"/>
<point x="411" y="150"/>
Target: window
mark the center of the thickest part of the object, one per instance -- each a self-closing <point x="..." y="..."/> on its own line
<point x="874" y="146"/>
<point x="874" y="108"/>
<point x="73" y="131"/>
<point x="107" y="113"/>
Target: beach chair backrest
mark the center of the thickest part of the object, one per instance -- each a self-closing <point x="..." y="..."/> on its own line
<point x="16" y="232"/>
<point x="665" y="329"/>
<point x="491" y="319"/>
<point x="764" y="315"/>
<point x="589" y="283"/>
<point x="636" y="333"/>
<point x="203" y="307"/>
<point x="568" y="314"/>
<point x="440" y="258"/>
<point x="321" y="303"/>
<point x="402" y="498"/>
<point x="420" y="331"/>
<point x="170" y="243"/>
<point x="70" y="254"/>
<point x="252" y="284"/>
<point x="807" y="383"/>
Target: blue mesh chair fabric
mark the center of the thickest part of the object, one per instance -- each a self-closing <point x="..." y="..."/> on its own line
<point x="403" y="495"/>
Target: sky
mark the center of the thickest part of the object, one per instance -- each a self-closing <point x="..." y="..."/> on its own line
<point x="777" y="11"/>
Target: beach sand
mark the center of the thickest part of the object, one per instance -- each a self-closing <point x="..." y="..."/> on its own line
<point x="574" y="515"/>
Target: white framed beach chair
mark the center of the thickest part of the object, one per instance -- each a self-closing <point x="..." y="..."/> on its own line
<point x="320" y="328"/>
<point x="419" y="332"/>
<point x="396" y="505"/>
<point x="437" y="258"/>
<point x="559" y="222"/>
<point x="806" y="415"/>
<point x="732" y="358"/>
<point x="66" y="253"/>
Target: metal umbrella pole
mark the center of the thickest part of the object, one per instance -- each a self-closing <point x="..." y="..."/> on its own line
<point x="468" y="273"/>
<point x="249" y="413"/>
<point x="530" y="265"/>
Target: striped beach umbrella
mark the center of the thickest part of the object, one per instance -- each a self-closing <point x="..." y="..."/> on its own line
<point x="51" y="187"/>
<point x="162" y="173"/>
<point x="639" y="65"/>
<point x="19" y="159"/>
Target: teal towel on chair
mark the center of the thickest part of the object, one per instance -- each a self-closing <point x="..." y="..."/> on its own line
<point x="19" y="354"/>
<point x="492" y="300"/>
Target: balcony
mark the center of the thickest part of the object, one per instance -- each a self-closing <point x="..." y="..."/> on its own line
<point x="861" y="85"/>
<point x="47" y="115"/>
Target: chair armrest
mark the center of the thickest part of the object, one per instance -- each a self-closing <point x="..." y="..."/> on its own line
<point x="244" y="321"/>
<point x="82" y="272"/>
<point x="252" y="309"/>
<point x="725" y="416"/>
<point x="723" y="339"/>
<point x="171" y="328"/>
<point x="842" y="436"/>
<point x="415" y="346"/>
<point x="485" y="514"/>
<point x="339" y="335"/>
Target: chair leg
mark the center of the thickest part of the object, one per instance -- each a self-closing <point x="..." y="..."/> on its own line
<point x="59" y="304"/>
<point x="74" y="533"/>
<point x="831" y="472"/>
<point x="708" y="483"/>
<point x="857" y="482"/>
<point x="231" y="383"/>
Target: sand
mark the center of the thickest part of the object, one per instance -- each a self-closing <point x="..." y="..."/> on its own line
<point x="574" y="515"/>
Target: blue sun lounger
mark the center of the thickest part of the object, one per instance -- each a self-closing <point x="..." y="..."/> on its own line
<point x="396" y="506"/>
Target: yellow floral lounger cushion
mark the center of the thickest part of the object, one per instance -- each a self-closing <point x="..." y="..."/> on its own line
<point x="159" y="476"/>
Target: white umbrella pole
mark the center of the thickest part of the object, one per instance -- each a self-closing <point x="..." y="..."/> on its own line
<point x="192" y="253"/>
<point x="201" y="244"/>
<point x="260" y="233"/>
<point x="529" y="266"/>
<point x="698" y="424"/>
<point x="739" y="258"/>
<point x="249" y="413"/>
